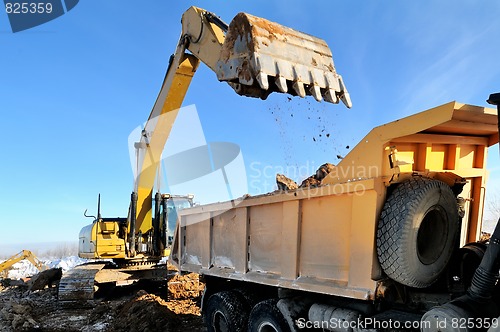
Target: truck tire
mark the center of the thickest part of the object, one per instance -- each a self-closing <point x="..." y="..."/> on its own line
<point x="417" y="231"/>
<point x="266" y="317"/>
<point x="249" y="297"/>
<point x="226" y="312"/>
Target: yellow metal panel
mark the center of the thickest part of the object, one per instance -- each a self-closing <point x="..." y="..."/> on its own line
<point x="467" y="156"/>
<point x="363" y="263"/>
<point x="453" y="153"/>
<point x="466" y="194"/>
<point x="197" y="237"/>
<point x="405" y="156"/>
<point x="265" y="238"/>
<point x="436" y="157"/>
<point x="476" y="207"/>
<point x="421" y="157"/>
<point x="325" y="237"/>
<point x="230" y="251"/>
<point x="455" y="120"/>
<point x="209" y="37"/>
<point x="108" y="244"/>
<point x="480" y="156"/>
<point x="241" y="250"/>
<point x="108" y="227"/>
<point x="290" y="239"/>
<point x="427" y="138"/>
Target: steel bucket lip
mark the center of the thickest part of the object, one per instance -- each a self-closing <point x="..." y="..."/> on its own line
<point x="259" y="57"/>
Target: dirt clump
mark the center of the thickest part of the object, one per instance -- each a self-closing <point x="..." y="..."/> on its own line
<point x="315" y="179"/>
<point x="145" y="312"/>
<point x="485" y="237"/>
<point x="285" y="183"/>
<point x="179" y="311"/>
<point x="323" y="171"/>
<point x="310" y="182"/>
<point x="185" y="286"/>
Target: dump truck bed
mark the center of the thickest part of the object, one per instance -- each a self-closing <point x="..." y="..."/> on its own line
<point x="299" y="240"/>
<point x="323" y="239"/>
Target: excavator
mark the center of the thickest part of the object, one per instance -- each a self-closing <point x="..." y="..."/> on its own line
<point x="24" y="254"/>
<point x="255" y="57"/>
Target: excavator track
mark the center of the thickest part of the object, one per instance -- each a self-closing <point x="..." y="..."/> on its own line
<point x="78" y="284"/>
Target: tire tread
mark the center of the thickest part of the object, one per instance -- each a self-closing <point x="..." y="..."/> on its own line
<point x="393" y="229"/>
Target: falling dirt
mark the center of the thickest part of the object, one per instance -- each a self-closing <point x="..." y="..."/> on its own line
<point x="308" y="121"/>
<point x="144" y="306"/>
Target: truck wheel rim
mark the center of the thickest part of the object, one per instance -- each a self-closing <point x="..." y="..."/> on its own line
<point x="219" y="322"/>
<point x="266" y="327"/>
<point x="431" y="237"/>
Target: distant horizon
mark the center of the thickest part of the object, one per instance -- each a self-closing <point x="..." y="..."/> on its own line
<point x="52" y="249"/>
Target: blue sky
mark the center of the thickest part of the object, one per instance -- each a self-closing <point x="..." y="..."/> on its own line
<point x="73" y="89"/>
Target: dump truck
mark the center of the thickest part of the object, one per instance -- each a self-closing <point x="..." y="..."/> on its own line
<point x="255" y="57"/>
<point x="388" y="241"/>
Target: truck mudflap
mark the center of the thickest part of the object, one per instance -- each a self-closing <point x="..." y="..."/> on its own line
<point x="259" y="57"/>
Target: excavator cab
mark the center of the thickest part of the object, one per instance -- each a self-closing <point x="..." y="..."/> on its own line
<point x="175" y="204"/>
<point x="107" y="237"/>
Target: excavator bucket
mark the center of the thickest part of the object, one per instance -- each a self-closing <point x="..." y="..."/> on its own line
<point x="259" y="57"/>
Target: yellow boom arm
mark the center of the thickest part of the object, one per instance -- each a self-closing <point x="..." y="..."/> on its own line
<point x="255" y="57"/>
<point x="25" y="254"/>
<point x="204" y="39"/>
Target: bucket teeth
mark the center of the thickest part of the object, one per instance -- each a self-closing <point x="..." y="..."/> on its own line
<point x="331" y="96"/>
<point x="265" y="57"/>
<point x="262" y="79"/>
<point x="299" y="89"/>
<point x="316" y="92"/>
<point x="345" y="97"/>
<point x="281" y="84"/>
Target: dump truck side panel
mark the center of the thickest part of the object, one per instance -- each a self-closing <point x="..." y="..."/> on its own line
<point x="302" y="240"/>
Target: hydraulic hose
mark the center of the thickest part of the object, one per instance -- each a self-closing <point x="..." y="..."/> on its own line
<point x="164" y="214"/>
<point x="133" y="220"/>
<point x="156" y="225"/>
<point x="486" y="274"/>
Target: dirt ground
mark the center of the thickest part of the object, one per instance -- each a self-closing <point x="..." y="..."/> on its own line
<point x="144" y="306"/>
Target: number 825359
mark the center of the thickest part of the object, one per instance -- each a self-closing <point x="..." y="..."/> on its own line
<point x="28" y="8"/>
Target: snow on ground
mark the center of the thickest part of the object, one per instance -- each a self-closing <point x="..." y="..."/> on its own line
<point x="24" y="268"/>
